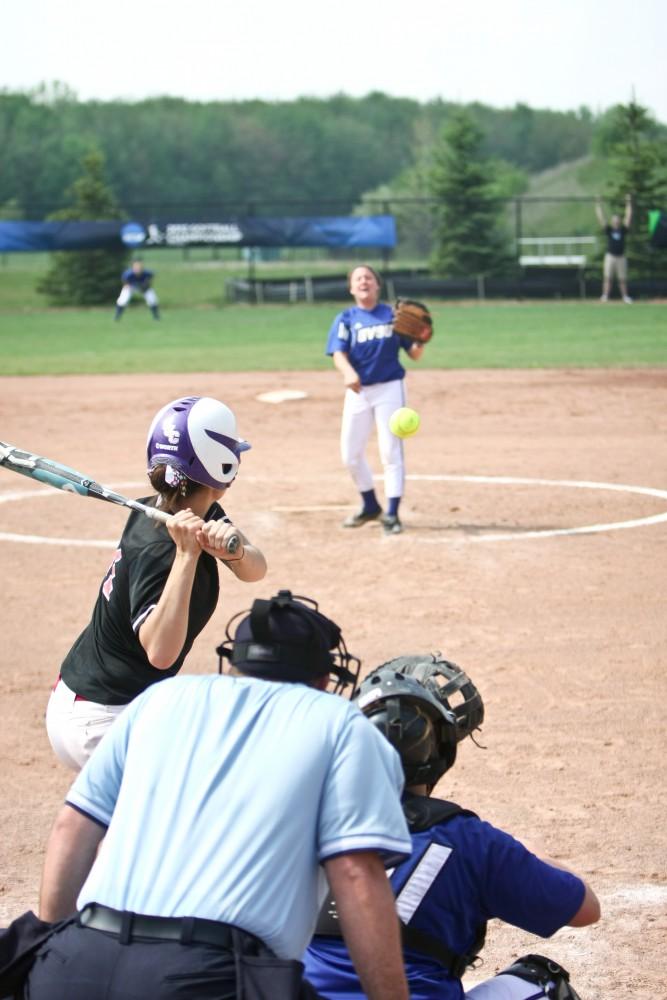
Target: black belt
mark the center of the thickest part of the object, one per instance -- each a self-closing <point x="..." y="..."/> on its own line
<point x="137" y="926"/>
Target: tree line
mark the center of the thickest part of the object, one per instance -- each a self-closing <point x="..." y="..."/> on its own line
<point x="445" y="180"/>
<point x="168" y="153"/>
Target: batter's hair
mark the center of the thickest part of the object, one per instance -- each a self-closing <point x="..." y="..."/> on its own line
<point x="369" y="267"/>
<point x="170" y="494"/>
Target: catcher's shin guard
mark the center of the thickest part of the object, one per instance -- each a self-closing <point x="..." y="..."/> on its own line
<point x="552" y="977"/>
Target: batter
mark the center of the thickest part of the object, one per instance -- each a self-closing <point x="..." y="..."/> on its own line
<point x="161" y="587"/>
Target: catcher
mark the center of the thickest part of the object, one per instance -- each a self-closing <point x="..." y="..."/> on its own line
<point x="365" y="342"/>
<point x="462" y="871"/>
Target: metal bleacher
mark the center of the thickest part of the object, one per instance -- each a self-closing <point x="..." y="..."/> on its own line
<point x="555" y="251"/>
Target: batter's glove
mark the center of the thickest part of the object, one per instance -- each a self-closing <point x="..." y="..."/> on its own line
<point x="412" y="319"/>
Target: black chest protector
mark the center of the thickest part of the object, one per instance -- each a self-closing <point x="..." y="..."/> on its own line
<point x="421" y="813"/>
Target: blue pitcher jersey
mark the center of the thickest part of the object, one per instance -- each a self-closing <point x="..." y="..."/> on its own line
<point x="368" y="339"/>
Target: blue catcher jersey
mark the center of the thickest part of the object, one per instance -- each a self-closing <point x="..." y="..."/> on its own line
<point x="460" y="874"/>
<point x="372" y="347"/>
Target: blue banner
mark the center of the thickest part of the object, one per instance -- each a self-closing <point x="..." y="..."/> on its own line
<point x="251" y="231"/>
<point x="22" y="236"/>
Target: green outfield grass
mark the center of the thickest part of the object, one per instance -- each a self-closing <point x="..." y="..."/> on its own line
<point x="199" y="333"/>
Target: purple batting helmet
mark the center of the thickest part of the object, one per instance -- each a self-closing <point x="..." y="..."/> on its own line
<point x="197" y="435"/>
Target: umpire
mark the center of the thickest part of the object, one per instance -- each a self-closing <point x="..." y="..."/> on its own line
<point x="191" y="848"/>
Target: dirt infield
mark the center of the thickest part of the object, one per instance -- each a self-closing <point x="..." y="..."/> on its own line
<point x="563" y="630"/>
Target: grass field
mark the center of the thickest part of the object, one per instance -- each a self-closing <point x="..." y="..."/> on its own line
<point x="198" y="332"/>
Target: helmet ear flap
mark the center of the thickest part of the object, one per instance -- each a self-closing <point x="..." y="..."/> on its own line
<point x="394" y="722"/>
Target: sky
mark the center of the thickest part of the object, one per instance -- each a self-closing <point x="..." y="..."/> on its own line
<point x="559" y="55"/>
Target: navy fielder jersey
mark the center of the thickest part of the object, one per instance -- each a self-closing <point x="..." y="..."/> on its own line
<point x="461" y="873"/>
<point x="142" y="280"/>
<point x="107" y="664"/>
<point x="368" y="339"/>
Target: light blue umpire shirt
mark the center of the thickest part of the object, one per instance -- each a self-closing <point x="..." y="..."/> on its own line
<point x="222" y="796"/>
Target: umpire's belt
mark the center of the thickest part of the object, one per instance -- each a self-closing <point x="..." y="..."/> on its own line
<point x="137" y="926"/>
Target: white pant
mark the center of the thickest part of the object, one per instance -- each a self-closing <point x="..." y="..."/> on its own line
<point x="127" y="291"/>
<point x="505" y="987"/>
<point x="75" y="727"/>
<point x="360" y="409"/>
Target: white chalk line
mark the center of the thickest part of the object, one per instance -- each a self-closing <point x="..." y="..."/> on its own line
<point x="416" y="477"/>
<point x="558" y="483"/>
<point x="525" y="481"/>
<point x="81" y="543"/>
<point x="642" y="894"/>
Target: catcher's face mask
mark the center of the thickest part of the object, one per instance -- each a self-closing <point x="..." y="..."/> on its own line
<point x="413" y="720"/>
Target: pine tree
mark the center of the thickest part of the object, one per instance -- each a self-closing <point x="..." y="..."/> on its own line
<point x="638" y="167"/>
<point x="86" y="277"/>
<point x="468" y="238"/>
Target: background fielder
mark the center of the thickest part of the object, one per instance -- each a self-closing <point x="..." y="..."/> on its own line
<point x="365" y="351"/>
<point x="615" y="261"/>
<point x="137" y="280"/>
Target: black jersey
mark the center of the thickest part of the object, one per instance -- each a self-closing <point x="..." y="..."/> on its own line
<point x="616" y="240"/>
<point x="107" y="663"/>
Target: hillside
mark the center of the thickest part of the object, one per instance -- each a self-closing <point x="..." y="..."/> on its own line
<point x="583" y="178"/>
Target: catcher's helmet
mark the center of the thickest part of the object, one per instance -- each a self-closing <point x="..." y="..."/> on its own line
<point x="196" y="435"/>
<point x="285" y="639"/>
<point x="450" y="685"/>
<point x="413" y="719"/>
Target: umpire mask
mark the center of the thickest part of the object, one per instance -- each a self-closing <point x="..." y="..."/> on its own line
<point x="287" y="639"/>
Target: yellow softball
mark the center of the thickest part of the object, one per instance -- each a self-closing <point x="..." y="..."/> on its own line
<point x="404" y="422"/>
